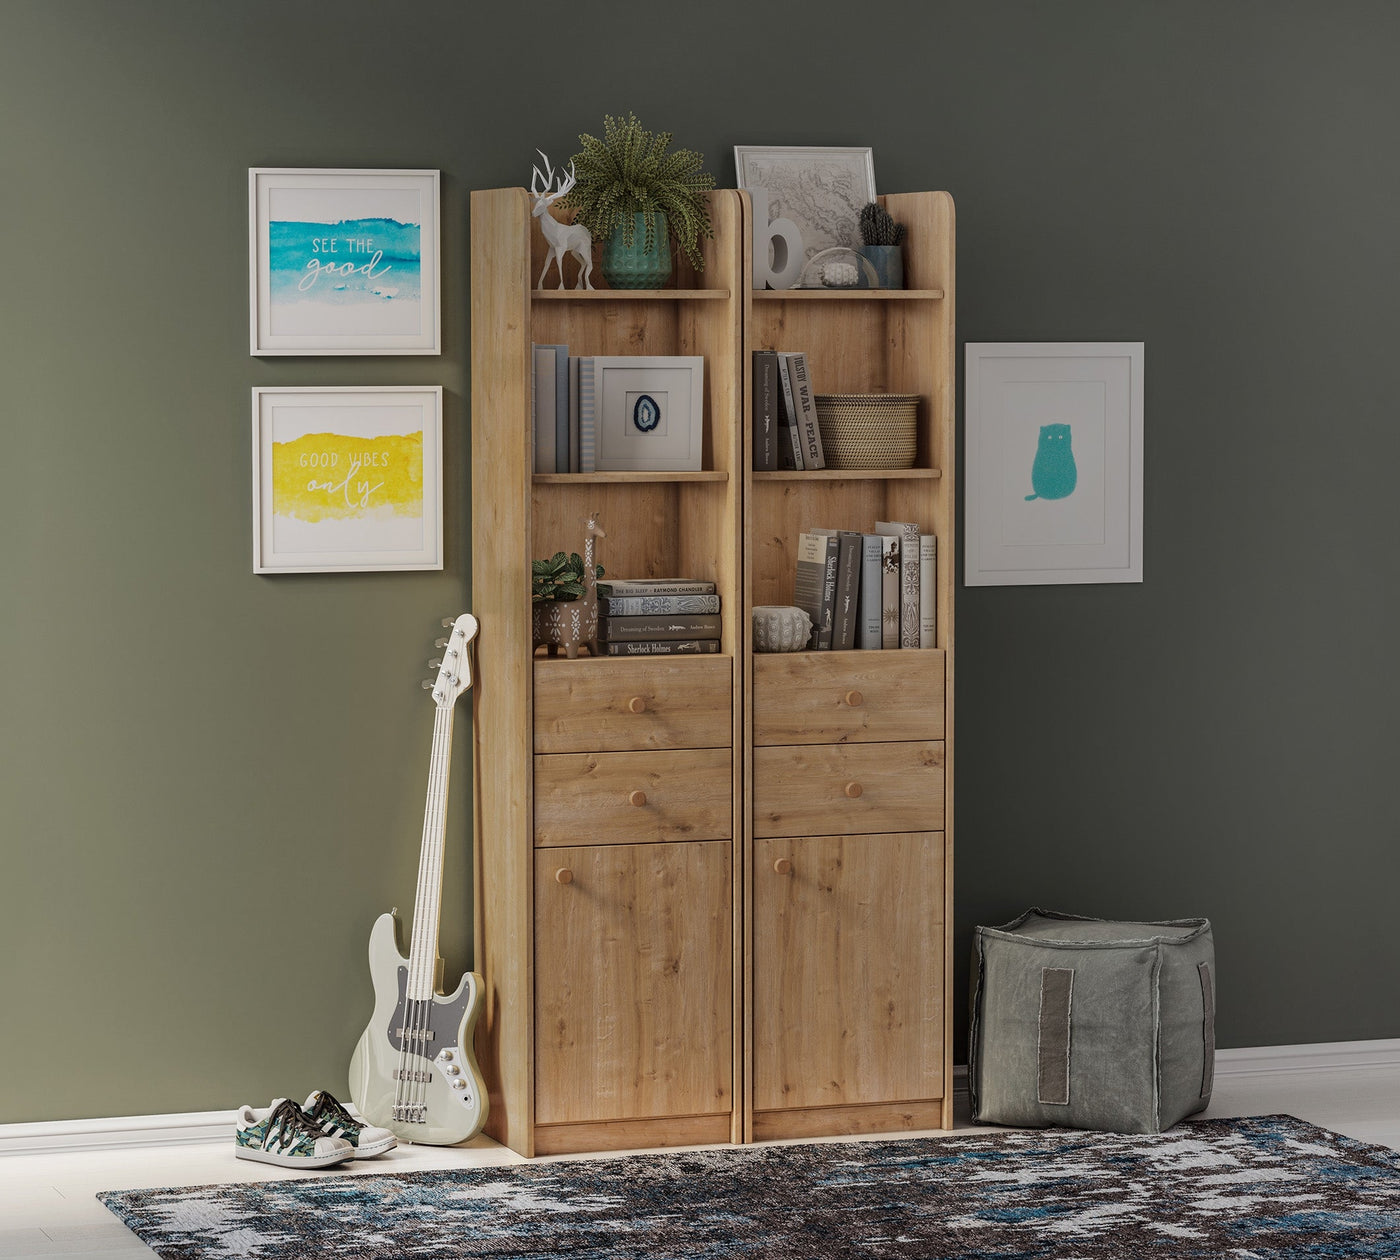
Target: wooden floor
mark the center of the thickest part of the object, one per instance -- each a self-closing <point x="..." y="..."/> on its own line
<point x="47" y="1206"/>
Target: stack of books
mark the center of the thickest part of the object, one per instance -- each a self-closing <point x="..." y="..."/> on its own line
<point x="785" y="429"/>
<point x="869" y="590"/>
<point x="658" y="616"/>
<point x="562" y="411"/>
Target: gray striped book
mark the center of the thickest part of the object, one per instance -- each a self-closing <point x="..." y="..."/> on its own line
<point x="679" y="626"/>
<point x="662" y="647"/>
<point x="645" y="605"/>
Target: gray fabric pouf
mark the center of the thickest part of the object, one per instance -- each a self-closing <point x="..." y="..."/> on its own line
<point x="1091" y="1024"/>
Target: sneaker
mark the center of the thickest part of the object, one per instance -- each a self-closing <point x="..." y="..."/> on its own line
<point x="282" y="1135"/>
<point x="327" y="1116"/>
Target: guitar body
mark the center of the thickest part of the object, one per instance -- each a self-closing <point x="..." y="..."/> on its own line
<point x="436" y="1070"/>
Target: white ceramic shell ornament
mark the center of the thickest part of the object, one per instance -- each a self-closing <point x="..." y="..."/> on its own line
<point x="780" y="628"/>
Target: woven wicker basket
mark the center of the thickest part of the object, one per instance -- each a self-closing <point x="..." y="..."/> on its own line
<point x="869" y="430"/>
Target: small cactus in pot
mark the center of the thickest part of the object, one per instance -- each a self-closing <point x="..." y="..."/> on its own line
<point x="882" y="247"/>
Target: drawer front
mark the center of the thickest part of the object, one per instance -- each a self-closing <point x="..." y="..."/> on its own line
<point x="633" y="704"/>
<point x="633" y="798"/>
<point x="847" y="697"/>
<point x="846" y="789"/>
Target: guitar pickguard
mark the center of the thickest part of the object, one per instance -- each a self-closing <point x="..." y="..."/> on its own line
<point x="439" y="1031"/>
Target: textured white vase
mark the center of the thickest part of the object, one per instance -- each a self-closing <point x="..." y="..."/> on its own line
<point x="780" y="629"/>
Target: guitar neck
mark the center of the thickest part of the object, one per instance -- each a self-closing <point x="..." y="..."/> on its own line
<point x="427" y="908"/>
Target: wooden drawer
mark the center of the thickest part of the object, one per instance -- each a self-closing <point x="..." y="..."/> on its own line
<point x="633" y="704"/>
<point x="847" y="697"/>
<point x="633" y="798"/>
<point x="845" y="789"/>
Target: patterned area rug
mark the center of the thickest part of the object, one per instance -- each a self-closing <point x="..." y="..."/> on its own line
<point x="1260" y="1188"/>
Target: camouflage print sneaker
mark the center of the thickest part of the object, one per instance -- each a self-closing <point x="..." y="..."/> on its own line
<point x="282" y="1135"/>
<point x="327" y="1116"/>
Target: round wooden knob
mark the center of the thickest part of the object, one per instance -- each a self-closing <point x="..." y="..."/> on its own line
<point x="854" y="699"/>
<point x="563" y="876"/>
<point x="783" y="866"/>
<point x="853" y="790"/>
<point x="636" y="705"/>
<point x="637" y="798"/>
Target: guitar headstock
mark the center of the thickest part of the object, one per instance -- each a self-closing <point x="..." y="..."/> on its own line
<point x="454" y="666"/>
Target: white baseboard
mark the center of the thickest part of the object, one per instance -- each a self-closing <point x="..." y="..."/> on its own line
<point x="110" y="1132"/>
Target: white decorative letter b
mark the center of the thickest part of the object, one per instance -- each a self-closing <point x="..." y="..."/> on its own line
<point x="785" y="240"/>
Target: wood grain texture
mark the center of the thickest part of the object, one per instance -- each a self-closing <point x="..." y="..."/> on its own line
<point x="634" y="1006"/>
<point x="803" y="790"/>
<point x="632" y="1135"/>
<point x="806" y="1122"/>
<point x="590" y="705"/>
<point x="503" y="725"/>
<point x="847" y="697"/>
<point x="848" y="971"/>
<point x="590" y="798"/>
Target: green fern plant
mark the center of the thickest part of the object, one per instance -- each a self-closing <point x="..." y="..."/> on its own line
<point x="629" y="172"/>
<point x="560" y="577"/>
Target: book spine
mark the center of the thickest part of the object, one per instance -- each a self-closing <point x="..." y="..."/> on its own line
<point x="573" y="414"/>
<point x="870" y="634"/>
<point x="909" y="590"/>
<point x="545" y="399"/>
<point x="561" y="409"/>
<point x="631" y="629"/>
<point x="807" y="584"/>
<point x="889" y="592"/>
<point x="809" y="430"/>
<point x="843" y="633"/>
<point x="627" y="587"/>
<point x="928" y="591"/>
<point x="656" y="605"/>
<point x="789" y="443"/>
<point x="587" y="417"/>
<point x="765" y="411"/>
<point x="656" y="647"/>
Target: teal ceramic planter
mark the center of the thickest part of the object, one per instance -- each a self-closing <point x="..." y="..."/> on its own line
<point x="888" y="261"/>
<point x="634" y="266"/>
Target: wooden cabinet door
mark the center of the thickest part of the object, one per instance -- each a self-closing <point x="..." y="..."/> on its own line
<point x="633" y="981"/>
<point x="847" y="970"/>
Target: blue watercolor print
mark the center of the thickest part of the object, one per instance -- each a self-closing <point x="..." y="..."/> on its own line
<point x="349" y="263"/>
<point x="646" y="415"/>
<point x="1053" y="475"/>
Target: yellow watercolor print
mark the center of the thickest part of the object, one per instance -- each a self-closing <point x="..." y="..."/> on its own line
<point x="329" y="476"/>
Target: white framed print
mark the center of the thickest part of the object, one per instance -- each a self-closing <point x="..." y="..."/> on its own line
<point x="649" y="413"/>
<point x="1054" y="462"/>
<point x="347" y="480"/>
<point x="343" y="261"/>
<point x="820" y="189"/>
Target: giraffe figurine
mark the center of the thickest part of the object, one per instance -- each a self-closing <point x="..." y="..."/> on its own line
<point x="568" y="623"/>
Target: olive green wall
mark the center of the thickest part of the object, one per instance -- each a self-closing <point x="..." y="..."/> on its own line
<point x="212" y="782"/>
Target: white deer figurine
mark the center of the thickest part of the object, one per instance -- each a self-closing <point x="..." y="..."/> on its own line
<point x="563" y="238"/>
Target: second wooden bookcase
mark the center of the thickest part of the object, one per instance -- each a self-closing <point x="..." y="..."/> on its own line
<point x="687" y="933"/>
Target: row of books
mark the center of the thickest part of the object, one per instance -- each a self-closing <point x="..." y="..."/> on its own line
<point x="869" y="590"/>
<point x="658" y="617"/>
<point x="785" y="429"/>
<point x="563" y="411"/>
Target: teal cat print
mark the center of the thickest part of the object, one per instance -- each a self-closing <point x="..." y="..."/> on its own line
<point x="1053" y="475"/>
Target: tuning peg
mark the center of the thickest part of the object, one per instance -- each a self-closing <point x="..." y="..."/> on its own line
<point x="435" y="662"/>
<point x="448" y="622"/>
<point x="441" y="642"/>
<point x="427" y="684"/>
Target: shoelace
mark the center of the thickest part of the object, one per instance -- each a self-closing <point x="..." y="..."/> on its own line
<point x="288" y="1121"/>
<point x="329" y="1107"/>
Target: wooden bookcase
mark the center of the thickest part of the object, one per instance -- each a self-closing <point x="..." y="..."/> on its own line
<point x="626" y="1004"/>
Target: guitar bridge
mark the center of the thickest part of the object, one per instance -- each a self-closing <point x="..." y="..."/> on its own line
<point x="415" y="1034"/>
<point x="404" y="1074"/>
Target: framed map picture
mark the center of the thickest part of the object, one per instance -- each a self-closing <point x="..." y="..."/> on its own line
<point x="821" y="190"/>
<point x="1054" y="462"/>
<point x="343" y="262"/>
<point x="347" y="479"/>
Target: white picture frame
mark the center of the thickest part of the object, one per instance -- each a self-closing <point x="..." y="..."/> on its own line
<point x="344" y="261"/>
<point x="347" y="480"/>
<point x="1054" y="434"/>
<point x="821" y="189"/>
<point x="632" y="439"/>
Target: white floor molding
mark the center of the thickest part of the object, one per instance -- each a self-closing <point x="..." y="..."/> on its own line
<point x="116" y="1132"/>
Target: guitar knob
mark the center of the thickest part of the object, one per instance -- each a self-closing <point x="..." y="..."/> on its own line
<point x="453" y="1070"/>
<point x="459" y="1083"/>
<point x="447" y="1056"/>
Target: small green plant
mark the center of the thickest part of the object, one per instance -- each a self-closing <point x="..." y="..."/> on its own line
<point x="559" y="578"/>
<point x="877" y="227"/>
<point x="629" y="172"/>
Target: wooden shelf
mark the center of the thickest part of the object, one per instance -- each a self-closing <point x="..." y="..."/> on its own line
<point x="851" y="474"/>
<point x="630" y="295"/>
<point x="622" y="478"/>
<point x="848" y="295"/>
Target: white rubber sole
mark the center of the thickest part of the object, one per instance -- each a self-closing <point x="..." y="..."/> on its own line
<point x="376" y="1148"/>
<point x="261" y="1156"/>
